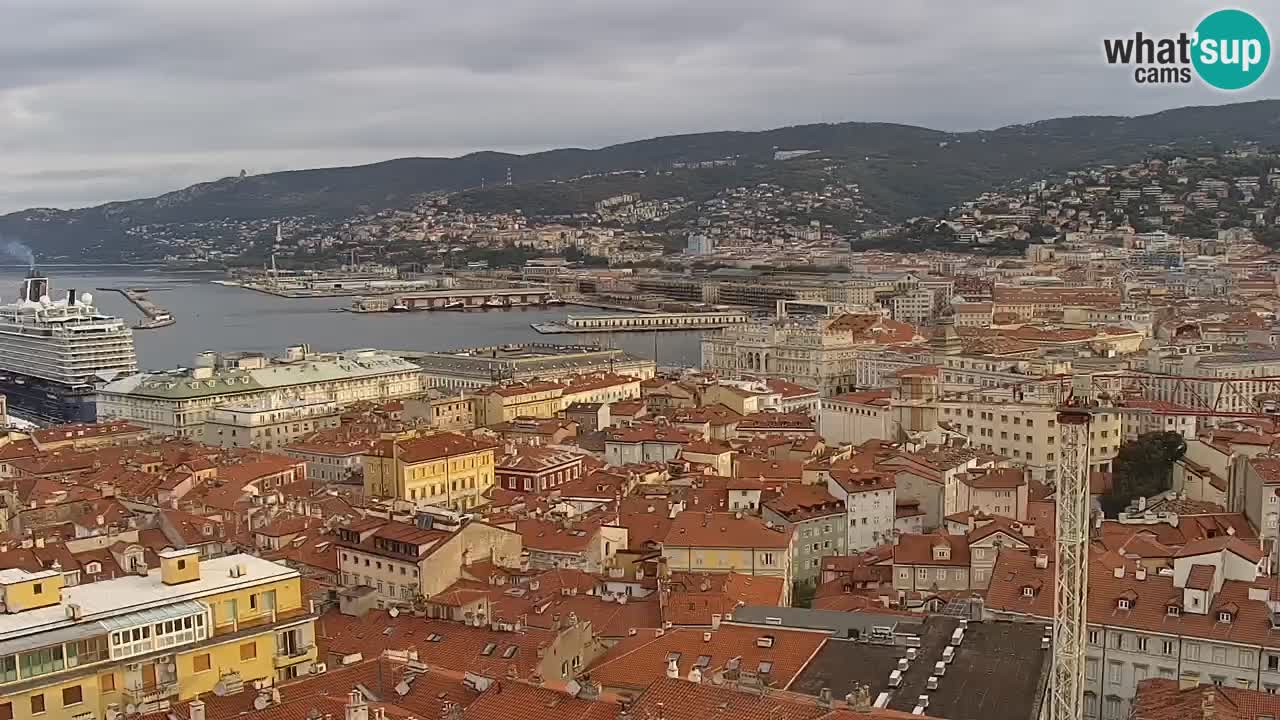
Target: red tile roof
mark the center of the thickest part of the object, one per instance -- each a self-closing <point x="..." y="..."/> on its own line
<point x="724" y="530"/>
<point x="636" y="662"/>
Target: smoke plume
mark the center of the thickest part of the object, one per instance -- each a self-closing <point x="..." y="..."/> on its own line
<point x="18" y="251"/>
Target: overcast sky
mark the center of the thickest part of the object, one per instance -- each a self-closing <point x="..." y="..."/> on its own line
<point x="116" y="99"/>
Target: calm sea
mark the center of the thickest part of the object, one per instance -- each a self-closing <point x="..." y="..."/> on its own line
<point x="220" y="318"/>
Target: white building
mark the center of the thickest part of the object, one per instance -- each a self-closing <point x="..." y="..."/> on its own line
<point x="870" y="501"/>
<point x="182" y="401"/>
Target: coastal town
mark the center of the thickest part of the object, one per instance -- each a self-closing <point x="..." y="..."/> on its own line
<point x="899" y="444"/>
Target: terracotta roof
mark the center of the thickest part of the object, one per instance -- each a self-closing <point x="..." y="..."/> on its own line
<point x="679" y="699"/>
<point x="458" y="647"/>
<point x="508" y="700"/>
<point x="435" y="446"/>
<point x="636" y="662"/>
<point x="692" y="598"/>
<point x="913" y="549"/>
<point x="1161" y="699"/>
<point x="1015" y="570"/>
<point x="994" y="478"/>
<point x="1213" y="545"/>
<point x="805" y="502"/>
<point x="724" y="530"/>
<point x="752" y="467"/>
<point x="789" y="390"/>
<point x="1201" y="577"/>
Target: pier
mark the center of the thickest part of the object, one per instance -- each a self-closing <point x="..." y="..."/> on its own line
<point x="496" y="299"/>
<point x="649" y="322"/>
<point x="156" y="316"/>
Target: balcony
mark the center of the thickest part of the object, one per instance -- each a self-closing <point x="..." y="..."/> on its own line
<point x="148" y="698"/>
<point x="285" y="657"/>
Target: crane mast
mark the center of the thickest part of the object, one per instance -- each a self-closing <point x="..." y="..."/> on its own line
<point x="1071" y="566"/>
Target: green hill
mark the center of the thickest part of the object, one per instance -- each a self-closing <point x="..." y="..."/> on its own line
<point x="903" y="170"/>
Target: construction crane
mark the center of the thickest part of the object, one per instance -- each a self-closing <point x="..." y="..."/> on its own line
<point x="1071" y="565"/>
<point x="1071" y="552"/>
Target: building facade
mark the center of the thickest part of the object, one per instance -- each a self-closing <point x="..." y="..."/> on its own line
<point x="181" y="402"/>
<point x="145" y="641"/>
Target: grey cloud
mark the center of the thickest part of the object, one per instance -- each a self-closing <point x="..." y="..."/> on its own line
<point x="110" y="99"/>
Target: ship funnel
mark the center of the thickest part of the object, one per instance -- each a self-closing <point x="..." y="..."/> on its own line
<point x="71" y="297"/>
<point x="34" y="287"/>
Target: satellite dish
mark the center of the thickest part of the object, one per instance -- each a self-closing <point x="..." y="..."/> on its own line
<point x="130" y="709"/>
<point x="394" y="612"/>
<point x="86" y="298"/>
<point x="262" y="702"/>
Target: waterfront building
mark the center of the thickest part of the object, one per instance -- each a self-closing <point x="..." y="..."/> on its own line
<point x="485" y="366"/>
<point x="181" y="401"/>
<point x="821" y="354"/>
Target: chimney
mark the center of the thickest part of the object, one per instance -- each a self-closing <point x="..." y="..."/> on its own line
<point x="195" y="710"/>
<point x="1207" y="709"/>
<point x="356" y="707"/>
<point x="673" y="670"/>
<point x="1187" y="682"/>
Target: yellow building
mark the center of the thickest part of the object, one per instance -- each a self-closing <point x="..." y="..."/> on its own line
<point x="719" y="542"/>
<point x="508" y="402"/>
<point x="142" y="641"/>
<point x="443" y="469"/>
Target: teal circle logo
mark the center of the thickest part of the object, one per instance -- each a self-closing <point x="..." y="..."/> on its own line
<point x="1232" y="49"/>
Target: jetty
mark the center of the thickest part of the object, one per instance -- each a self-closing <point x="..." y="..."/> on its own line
<point x="488" y="299"/>
<point x="154" y="315"/>
<point x="648" y="322"/>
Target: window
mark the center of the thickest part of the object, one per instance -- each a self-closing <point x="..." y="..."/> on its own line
<point x="37" y="704"/>
<point x="107" y="681"/>
<point x="1093" y="637"/>
<point x="1115" y="672"/>
<point x="765" y="667"/>
<point x="510" y="652"/>
<point x="8" y="669"/>
<point x="1142" y="644"/>
<point x="72" y="696"/>
<point x="6" y="711"/>
<point x="201" y="663"/>
<point x="41" y="662"/>
<point x="1166" y="647"/>
<point x="1118" y="641"/>
<point x="1273" y="663"/>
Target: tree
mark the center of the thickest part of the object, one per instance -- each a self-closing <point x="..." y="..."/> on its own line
<point x="802" y="592"/>
<point x="1143" y="468"/>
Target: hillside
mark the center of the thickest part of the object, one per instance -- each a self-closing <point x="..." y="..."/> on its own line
<point x="903" y="170"/>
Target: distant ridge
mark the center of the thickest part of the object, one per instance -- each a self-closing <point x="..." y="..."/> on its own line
<point x="903" y="170"/>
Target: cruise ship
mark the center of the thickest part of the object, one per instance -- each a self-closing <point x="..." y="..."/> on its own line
<point x="54" y="353"/>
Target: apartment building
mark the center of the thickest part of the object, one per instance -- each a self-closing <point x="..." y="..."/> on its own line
<point x="869" y="498"/>
<point x="993" y="491"/>
<point x="1027" y="433"/>
<point x="1207" y="620"/>
<point x="856" y="417"/>
<point x="723" y="542"/>
<point x="816" y="519"/>
<point x="505" y="403"/>
<point x="267" y="424"/>
<point x="146" y="640"/>
<point x="397" y="561"/>
<point x="442" y="469"/>
<point x="182" y="401"/>
<point x="537" y="469"/>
